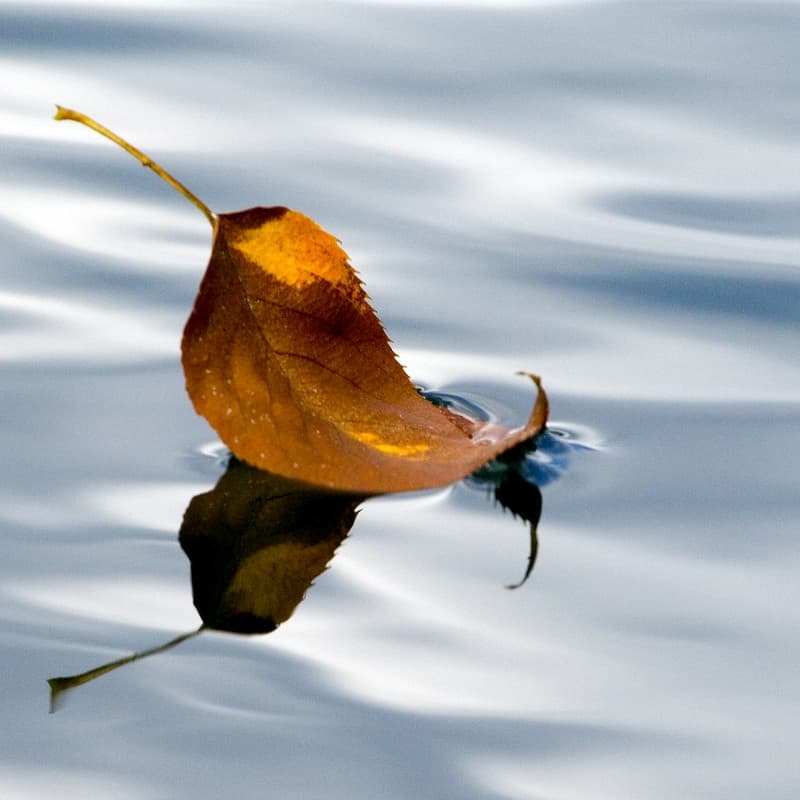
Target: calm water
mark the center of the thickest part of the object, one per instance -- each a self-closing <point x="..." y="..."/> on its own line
<point x="605" y="193"/>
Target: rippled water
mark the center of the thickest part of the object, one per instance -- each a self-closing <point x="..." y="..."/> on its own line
<point x="605" y="193"/>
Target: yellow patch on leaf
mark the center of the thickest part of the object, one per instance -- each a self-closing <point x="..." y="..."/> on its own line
<point x="374" y="440"/>
<point x="294" y="249"/>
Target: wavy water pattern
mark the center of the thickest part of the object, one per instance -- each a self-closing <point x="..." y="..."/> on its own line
<point x="603" y="193"/>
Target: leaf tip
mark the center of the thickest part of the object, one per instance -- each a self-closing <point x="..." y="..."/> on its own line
<point x="541" y="408"/>
<point x="535" y="378"/>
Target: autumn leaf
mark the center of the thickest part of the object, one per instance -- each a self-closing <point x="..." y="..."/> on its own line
<point x="285" y="358"/>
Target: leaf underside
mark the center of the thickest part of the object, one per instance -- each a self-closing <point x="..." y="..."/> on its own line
<point x="285" y="358"/>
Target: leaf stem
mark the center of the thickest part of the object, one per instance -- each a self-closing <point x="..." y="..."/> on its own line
<point x="76" y="116"/>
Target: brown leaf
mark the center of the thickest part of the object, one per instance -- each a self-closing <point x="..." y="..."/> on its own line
<point x="286" y="359"/>
<point x="284" y="356"/>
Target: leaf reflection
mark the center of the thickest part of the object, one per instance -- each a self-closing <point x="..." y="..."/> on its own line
<point x="58" y="686"/>
<point x="523" y="500"/>
<point x="257" y="541"/>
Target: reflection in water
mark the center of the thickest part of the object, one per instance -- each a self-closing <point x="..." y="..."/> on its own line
<point x="509" y="480"/>
<point x="60" y="685"/>
<point x="257" y="541"/>
<point x="523" y="500"/>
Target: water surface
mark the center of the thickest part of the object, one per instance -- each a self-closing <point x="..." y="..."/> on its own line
<point x="603" y="193"/>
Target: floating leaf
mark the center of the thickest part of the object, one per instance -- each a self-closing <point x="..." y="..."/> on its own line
<point x="285" y="358"/>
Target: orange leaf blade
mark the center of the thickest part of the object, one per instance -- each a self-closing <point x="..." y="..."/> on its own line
<point x="286" y="359"/>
